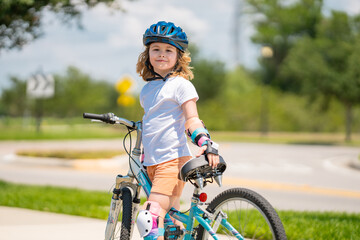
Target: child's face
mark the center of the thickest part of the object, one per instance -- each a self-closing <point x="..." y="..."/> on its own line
<point x="163" y="57"/>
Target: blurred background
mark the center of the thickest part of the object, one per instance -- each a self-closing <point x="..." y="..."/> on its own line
<point x="268" y="71"/>
<point x="261" y="67"/>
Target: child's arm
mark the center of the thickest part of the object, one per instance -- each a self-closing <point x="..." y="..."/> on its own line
<point x="193" y="123"/>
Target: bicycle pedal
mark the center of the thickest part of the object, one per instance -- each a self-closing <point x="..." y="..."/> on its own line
<point x="173" y="232"/>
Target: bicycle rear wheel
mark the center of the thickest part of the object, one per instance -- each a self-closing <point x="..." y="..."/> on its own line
<point x="248" y="212"/>
<point x="120" y="228"/>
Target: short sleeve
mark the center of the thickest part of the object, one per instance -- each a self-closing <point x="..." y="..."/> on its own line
<point x="185" y="92"/>
<point x="141" y="100"/>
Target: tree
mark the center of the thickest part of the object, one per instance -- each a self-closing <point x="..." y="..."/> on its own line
<point x="209" y="75"/>
<point x="280" y="25"/>
<point x="209" y="78"/>
<point x="329" y="64"/>
<point x="20" y="20"/>
<point x="75" y="93"/>
<point x="14" y="98"/>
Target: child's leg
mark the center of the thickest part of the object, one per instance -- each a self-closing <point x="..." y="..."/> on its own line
<point x="166" y="189"/>
<point x="176" y="205"/>
<point x="165" y="203"/>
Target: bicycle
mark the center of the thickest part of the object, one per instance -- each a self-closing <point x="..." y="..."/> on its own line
<point x="237" y="213"/>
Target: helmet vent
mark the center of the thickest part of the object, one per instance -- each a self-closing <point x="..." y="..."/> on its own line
<point x="166" y="32"/>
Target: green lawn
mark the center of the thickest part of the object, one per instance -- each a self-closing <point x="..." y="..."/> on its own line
<point x="93" y="131"/>
<point x="53" y="129"/>
<point x="95" y="204"/>
<point x="78" y="128"/>
<point x="288" y="138"/>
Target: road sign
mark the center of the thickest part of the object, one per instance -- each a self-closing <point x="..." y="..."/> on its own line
<point x="124" y="87"/>
<point x="124" y="84"/>
<point x="40" y="86"/>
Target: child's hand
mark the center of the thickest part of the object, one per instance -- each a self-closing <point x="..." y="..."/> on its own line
<point x="213" y="158"/>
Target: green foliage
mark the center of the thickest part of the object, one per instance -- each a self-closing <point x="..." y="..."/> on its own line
<point x="351" y="82"/>
<point x="238" y="109"/>
<point x="209" y="75"/>
<point x="13" y="99"/>
<point x="20" y="21"/>
<point x="280" y="26"/>
<point x="313" y="54"/>
<point x="209" y="78"/>
<point x="76" y="92"/>
<point x="328" y="65"/>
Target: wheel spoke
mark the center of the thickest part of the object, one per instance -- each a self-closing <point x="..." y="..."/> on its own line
<point x="249" y="213"/>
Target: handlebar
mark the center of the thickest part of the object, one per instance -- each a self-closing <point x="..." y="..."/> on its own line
<point x="109" y="118"/>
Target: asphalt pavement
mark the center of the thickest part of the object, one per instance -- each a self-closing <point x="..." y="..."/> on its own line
<point x="16" y="223"/>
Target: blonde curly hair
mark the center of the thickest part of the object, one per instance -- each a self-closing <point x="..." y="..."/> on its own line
<point x="182" y="67"/>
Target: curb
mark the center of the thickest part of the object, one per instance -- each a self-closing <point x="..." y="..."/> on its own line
<point x="355" y="165"/>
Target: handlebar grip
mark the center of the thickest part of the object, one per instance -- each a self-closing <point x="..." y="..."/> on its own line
<point x="103" y="117"/>
<point x="93" y="116"/>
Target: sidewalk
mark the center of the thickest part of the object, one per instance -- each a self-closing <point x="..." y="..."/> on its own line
<point x="20" y="224"/>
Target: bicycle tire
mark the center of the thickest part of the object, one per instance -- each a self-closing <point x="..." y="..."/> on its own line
<point x="122" y="229"/>
<point x="251" y="205"/>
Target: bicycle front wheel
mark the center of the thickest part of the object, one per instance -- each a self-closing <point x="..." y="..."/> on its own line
<point x="120" y="228"/>
<point x="248" y="212"/>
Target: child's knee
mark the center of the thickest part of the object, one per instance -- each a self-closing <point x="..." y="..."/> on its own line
<point x="148" y="221"/>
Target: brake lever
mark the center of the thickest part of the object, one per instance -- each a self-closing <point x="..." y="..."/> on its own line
<point x="96" y="120"/>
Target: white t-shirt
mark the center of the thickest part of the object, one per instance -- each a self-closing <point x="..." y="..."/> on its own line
<point x="163" y="136"/>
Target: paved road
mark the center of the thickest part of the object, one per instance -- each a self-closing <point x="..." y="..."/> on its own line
<point x="289" y="176"/>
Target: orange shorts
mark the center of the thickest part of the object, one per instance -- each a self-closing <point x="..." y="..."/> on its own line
<point x="164" y="177"/>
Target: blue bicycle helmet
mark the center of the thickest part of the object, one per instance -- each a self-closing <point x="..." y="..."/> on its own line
<point x="166" y="32"/>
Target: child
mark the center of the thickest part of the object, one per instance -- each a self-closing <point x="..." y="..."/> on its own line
<point x="169" y="101"/>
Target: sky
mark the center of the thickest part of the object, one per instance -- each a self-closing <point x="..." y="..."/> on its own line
<point x="111" y="41"/>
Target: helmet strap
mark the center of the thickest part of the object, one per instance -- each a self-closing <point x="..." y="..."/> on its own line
<point x="156" y="75"/>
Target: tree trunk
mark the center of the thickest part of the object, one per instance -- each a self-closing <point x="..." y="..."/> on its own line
<point x="348" y="121"/>
<point x="264" y="111"/>
<point x="38" y="114"/>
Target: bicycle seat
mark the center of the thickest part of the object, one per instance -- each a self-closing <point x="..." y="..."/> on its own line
<point x="198" y="172"/>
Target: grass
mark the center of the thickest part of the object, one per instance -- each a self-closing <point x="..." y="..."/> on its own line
<point x="321" y="225"/>
<point x="16" y="129"/>
<point x="78" y="128"/>
<point x="288" y="138"/>
<point x="72" y="201"/>
<point x="95" y="204"/>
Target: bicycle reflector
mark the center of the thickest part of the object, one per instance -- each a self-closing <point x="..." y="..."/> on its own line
<point x="203" y="197"/>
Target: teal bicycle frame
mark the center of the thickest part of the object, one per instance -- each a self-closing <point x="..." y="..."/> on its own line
<point x="137" y="179"/>
<point x="201" y="215"/>
<point x="197" y="213"/>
